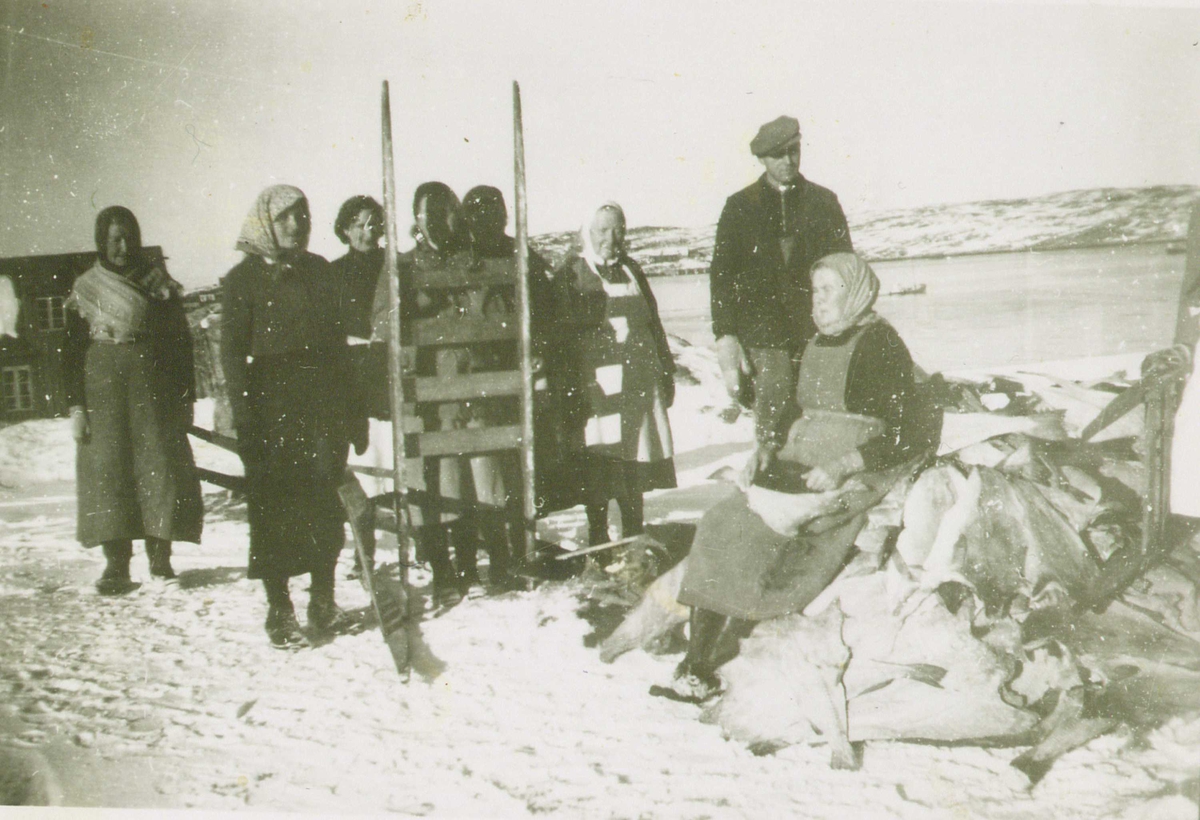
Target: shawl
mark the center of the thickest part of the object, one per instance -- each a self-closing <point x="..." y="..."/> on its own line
<point x="258" y="231"/>
<point x="862" y="288"/>
<point x="113" y="306"/>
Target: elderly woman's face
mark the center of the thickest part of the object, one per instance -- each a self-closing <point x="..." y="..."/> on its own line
<point x="607" y="233"/>
<point x="829" y="297"/>
<point x="364" y="231"/>
<point x="291" y="228"/>
<point x="118" y="245"/>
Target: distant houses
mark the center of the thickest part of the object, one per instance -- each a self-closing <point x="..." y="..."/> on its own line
<point x="32" y="330"/>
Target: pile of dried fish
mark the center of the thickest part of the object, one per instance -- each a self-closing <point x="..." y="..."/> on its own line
<point x="978" y="606"/>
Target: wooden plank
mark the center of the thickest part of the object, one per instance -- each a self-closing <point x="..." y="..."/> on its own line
<point x="526" y="337"/>
<point x="463" y="442"/>
<point x="485" y="273"/>
<point x="468" y="386"/>
<point x="459" y="330"/>
<point x="212" y="437"/>
<point x="236" y="483"/>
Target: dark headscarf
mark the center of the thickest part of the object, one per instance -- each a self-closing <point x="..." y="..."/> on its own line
<point x="120" y="215"/>
<point x="351" y="208"/>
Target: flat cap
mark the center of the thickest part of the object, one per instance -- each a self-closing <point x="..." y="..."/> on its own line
<point x="774" y="135"/>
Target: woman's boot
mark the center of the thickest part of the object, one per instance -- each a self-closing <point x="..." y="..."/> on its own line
<point x="115" y="579"/>
<point x="324" y="615"/>
<point x="158" y="553"/>
<point x="695" y="677"/>
<point x="437" y="552"/>
<point x="282" y="627"/>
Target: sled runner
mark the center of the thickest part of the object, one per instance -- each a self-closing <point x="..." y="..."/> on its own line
<point x="1160" y="388"/>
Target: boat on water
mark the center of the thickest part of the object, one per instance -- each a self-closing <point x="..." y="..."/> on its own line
<point x="910" y="290"/>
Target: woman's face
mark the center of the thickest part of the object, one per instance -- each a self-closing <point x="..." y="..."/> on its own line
<point x="291" y="228"/>
<point x="118" y="245"/>
<point x="829" y="297"/>
<point x="437" y="220"/>
<point x="364" y="231"/>
<point x="607" y="233"/>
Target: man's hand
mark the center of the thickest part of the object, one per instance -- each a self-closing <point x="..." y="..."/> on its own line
<point x="830" y="476"/>
<point x="81" y="431"/>
<point x="734" y="364"/>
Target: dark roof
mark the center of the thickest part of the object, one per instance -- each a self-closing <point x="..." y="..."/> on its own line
<point x="59" y="268"/>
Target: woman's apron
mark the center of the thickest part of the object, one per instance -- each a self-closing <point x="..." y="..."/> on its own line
<point x="742" y="568"/>
<point x="627" y="416"/>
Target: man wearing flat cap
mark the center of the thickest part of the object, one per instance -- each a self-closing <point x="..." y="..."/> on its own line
<point x="768" y="238"/>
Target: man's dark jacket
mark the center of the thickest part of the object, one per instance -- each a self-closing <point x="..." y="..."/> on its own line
<point x="755" y="295"/>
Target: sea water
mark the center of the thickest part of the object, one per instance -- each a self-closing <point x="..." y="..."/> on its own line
<point x="992" y="310"/>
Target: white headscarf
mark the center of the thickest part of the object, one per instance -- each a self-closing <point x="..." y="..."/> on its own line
<point x="585" y="235"/>
<point x="862" y="288"/>
<point x="258" y="231"/>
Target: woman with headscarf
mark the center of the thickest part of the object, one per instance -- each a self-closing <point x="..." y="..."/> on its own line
<point x="857" y="418"/>
<point x="283" y="347"/>
<point x="129" y="383"/>
<point x="617" y="376"/>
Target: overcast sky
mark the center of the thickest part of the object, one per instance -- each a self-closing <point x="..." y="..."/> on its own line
<point x="183" y="111"/>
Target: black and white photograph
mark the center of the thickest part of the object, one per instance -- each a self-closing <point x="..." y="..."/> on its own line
<point x="659" y="409"/>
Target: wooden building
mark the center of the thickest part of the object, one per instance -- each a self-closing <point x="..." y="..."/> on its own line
<point x="32" y="330"/>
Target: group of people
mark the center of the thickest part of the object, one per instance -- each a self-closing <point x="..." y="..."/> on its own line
<point x="302" y="351"/>
<point x="302" y="342"/>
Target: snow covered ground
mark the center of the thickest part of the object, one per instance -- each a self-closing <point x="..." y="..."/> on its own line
<point x="171" y="697"/>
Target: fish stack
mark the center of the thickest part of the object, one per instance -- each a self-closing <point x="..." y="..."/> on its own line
<point x="970" y="611"/>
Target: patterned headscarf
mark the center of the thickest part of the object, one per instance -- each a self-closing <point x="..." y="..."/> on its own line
<point x="585" y="234"/>
<point x="862" y="288"/>
<point x="258" y="231"/>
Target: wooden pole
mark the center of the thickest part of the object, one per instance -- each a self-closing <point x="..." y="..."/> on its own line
<point x="522" y="217"/>
<point x="395" y="377"/>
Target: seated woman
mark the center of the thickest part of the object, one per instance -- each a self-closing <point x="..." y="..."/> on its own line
<point x="857" y="419"/>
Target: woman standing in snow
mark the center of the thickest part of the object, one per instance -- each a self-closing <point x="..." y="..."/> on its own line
<point x="128" y="369"/>
<point x="618" y="375"/>
<point x="855" y="390"/>
<point x="284" y="351"/>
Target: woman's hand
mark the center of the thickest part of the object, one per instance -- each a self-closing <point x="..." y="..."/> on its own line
<point x="830" y="476"/>
<point x="759" y="462"/>
<point x="81" y="431"/>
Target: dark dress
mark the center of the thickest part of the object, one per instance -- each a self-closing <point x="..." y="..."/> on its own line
<point x="135" y="475"/>
<point x="616" y="380"/>
<point x="857" y="392"/>
<point x="290" y="408"/>
<point x="358" y="275"/>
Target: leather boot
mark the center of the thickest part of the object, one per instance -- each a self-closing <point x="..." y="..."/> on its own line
<point x="158" y="553"/>
<point x="437" y="552"/>
<point x="115" y="579"/>
<point x="695" y="677"/>
<point x="324" y="615"/>
<point x="282" y="627"/>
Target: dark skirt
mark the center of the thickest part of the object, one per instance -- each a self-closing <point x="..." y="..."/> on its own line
<point x="135" y="475"/>
<point x="295" y="456"/>
<point x="742" y="568"/>
<point x="604" y="477"/>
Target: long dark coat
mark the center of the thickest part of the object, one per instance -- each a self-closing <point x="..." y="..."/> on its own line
<point x="756" y="295"/>
<point x="290" y="408"/>
<point x="135" y="475"/>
